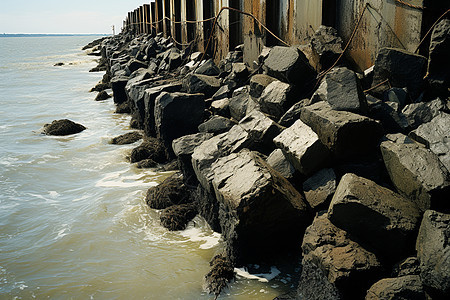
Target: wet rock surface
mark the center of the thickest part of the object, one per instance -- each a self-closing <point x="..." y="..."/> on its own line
<point x="127" y="138"/>
<point x="62" y="127"/>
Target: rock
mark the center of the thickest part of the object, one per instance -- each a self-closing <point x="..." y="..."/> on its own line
<point x="320" y="188"/>
<point x="102" y="96"/>
<point x="438" y="73"/>
<point x="394" y="220"/>
<point x="408" y="266"/>
<point x="135" y="64"/>
<point x="433" y="252"/>
<point x="221" y="107"/>
<point x="258" y="83"/>
<point x="174" y="59"/>
<point x="289" y="65"/>
<point x="279" y="162"/>
<point x="197" y="83"/>
<point x="223" y="93"/>
<point x="60" y="64"/>
<point x="326" y="47"/>
<point x="172" y="191"/>
<point x="392" y="121"/>
<point x="146" y="164"/>
<point x="118" y="87"/>
<point x="101" y="86"/>
<point x="260" y="212"/>
<point x="302" y="148"/>
<point x="216" y="125"/>
<point x="416" y="172"/>
<point x="405" y="287"/>
<point x="423" y="112"/>
<point x="276" y="99"/>
<point x="238" y="103"/>
<point x="221" y="273"/>
<point x="341" y="89"/>
<point x="150" y="96"/>
<point x="150" y="148"/>
<point x="123" y="108"/>
<point x="177" y="217"/>
<point x="238" y="76"/>
<point x="401" y="68"/>
<point x="177" y="114"/>
<point x="435" y="135"/>
<point x="262" y="130"/>
<point x="338" y="130"/>
<point x="127" y="138"/>
<point x="62" y="127"/>
<point x="135" y="90"/>
<point x="314" y="284"/>
<point x="293" y="113"/>
<point x="183" y="148"/>
<point x="345" y="264"/>
<point x="208" y="68"/>
<point x="397" y="95"/>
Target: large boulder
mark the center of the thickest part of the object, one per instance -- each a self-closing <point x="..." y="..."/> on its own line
<point x="150" y="96"/>
<point x="394" y="220"/>
<point x="303" y="148"/>
<point x="341" y="89"/>
<point x="171" y="191"/>
<point x="401" y="68"/>
<point x="177" y="217"/>
<point x="62" y="127"/>
<point x="417" y="114"/>
<point x="216" y="125"/>
<point x="177" y="114"/>
<point x="314" y="284"/>
<point x="118" y="87"/>
<point x="347" y="266"/>
<point x="405" y="287"/>
<point x="416" y="172"/>
<point x="279" y="162"/>
<point x="260" y="211"/>
<point x="150" y="148"/>
<point x="276" y="99"/>
<point x="439" y="60"/>
<point x="290" y="65"/>
<point x="197" y="83"/>
<point x="258" y="83"/>
<point x="183" y="148"/>
<point x="326" y="47"/>
<point x="135" y="90"/>
<point x="433" y="252"/>
<point x="127" y="138"/>
<point x="135" y="64"/>
<point x="293" y="113"/>
<point x="346" y="134"/>
<point x="238" y="103"/>
<point x="208" y="68"/>
<point x="319" y="188"/>
<point x="435" y="135"/>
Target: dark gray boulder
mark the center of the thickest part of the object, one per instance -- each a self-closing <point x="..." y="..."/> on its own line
<point x="171" y="191"/>
<point x="387" y="114"/>
<point x="405" y="287"/>
<point x="326" y="46"/>
<point x="216" y="125"/>
<point x="408" y="266"/>
<point x="394" y="220"/>
<point x="435" y="135"/>
<point x="416" y="172"/>
<point x="197" y="83"/>
<point x="150" y="96"/>
<point x="303" y="148"/>
<point x="127" y="138"/>
<point x="260" y="212"/>
<point x="439" y="60"/>
<point x="177" y="114"/>
<point x="342" y="90"/>
<point x="103" y="95"/>
<point x="416" y="114"/>
<point x="62" y="127"/>
<point x="177" y="217"/>
<point x="276" y="99"/>
<point x="320" y="188"/>
<point x="221" y="107"/>
<point x="293" y="113"/>
<point x="238" y="76"/>
<point x="280" y="163"/>
<point x="346" y="265"/>
<point x="290" y="65"/>
<point x="338" y="130"/>
<point x="135" y="64"/>
<point x="151" y="148"/>
<point x="118" y="88"/>
<point x="238" y="103"/>
<point x="224" y="92"/>
<point x="123" y="108"/>
<point x="401" y="68"/>
<point x="183" y="148"/>
<point x="258" y="83"/>
<point x="146" y="164"/>
<point x="397" y="95"/>
<point x="208" y="68"/>
<point x="433" y="252"/>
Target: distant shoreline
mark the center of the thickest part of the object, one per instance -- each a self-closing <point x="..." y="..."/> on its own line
<point x="49" y="34"/>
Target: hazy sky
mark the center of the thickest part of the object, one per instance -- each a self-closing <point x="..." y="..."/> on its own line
<point x="64" y="16"/>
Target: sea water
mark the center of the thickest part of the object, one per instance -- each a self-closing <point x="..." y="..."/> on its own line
<point x="73" y="219"/>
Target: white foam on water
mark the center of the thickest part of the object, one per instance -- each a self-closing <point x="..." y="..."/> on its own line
<point x="263" y="277"/>
<point x="62" y="232"/>
<point x="118" y="179"/>
<point x="198" y="234"/>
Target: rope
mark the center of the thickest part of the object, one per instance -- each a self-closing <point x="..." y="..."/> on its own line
<point x="410" y="5"/>
<point x="374" y="87"/>
<point x="431" y="29"/>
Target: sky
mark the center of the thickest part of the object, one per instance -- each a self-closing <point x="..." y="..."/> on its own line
<point x="64" y="16"/>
